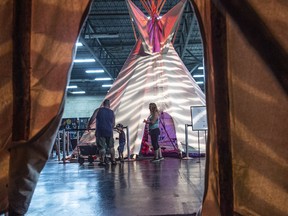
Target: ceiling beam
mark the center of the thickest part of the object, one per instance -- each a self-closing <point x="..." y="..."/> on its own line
<point x="87" y="80"/>
<point x="189" y="28"/>
<point x="197" y="59"/>
<point x="94" y="56"/>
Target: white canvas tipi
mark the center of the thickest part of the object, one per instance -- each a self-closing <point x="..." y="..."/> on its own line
<point x="154" y="72"/>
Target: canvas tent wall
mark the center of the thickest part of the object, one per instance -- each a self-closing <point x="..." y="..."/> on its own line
<point x="35" y="56"/>
<point x="246" y="53"/>
<point x="247" y="144"/>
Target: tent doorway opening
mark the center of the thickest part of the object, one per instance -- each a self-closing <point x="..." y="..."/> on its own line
<point x="167" y="138"/>
<point x="95" y="45"/>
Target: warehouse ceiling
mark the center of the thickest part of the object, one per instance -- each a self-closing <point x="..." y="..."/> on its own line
<point x="108" y="37"/>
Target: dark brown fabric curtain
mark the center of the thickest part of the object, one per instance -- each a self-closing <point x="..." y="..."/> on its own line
<point x="247" y="79"/>
<point x="36" y="51"/>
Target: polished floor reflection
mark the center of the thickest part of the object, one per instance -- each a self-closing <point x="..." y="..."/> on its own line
<point x="169" y="187"/>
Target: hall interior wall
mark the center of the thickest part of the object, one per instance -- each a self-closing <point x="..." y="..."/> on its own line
<point x="81" y="106"/>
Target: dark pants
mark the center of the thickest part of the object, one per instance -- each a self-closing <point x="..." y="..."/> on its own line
<point x="154" y="134"/>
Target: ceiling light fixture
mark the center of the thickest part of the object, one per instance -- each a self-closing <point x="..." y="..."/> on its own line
<point x="198" y="75"/>
<point x="91" y="36"/>
<point x="106" y="85"/>
<point x="201" y="68"/>
<point x="200" y="82"/>
<point x="78" y="92"/>
<point x="83" y="60"/>
<point x="95" y="71"/>
<point x="72" y="87"/>
<point x="79" y="44"/>
<point x="104" y="78"/>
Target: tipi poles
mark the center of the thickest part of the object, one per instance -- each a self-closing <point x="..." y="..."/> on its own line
<point x="152" y="7"/>
<point x="133" y="27"/>
<point x="168" y="135"/>
<point x="131" y="20"/>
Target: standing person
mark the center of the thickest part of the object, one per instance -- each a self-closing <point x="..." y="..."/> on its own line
<point x="105" y="121"/>
<point x="122" y="141"/>
<point x="154" y="131"/>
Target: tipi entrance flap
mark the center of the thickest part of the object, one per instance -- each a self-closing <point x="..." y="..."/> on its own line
<point x="167" y="138"/>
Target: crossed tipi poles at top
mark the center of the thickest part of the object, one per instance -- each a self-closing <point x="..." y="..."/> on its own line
<point x="156" y="31"/>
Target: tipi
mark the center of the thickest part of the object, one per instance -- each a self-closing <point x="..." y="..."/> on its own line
<point x="154" y="72"/>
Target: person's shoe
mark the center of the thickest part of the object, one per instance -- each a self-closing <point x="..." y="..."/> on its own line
<point x="156" y="160"/>
<point x="113" y="162"/>
<point x="102" y="164"/>
<point x="161" y="158"/>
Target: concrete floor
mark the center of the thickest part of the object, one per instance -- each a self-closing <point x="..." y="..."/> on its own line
<point x="169" y="187"/>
